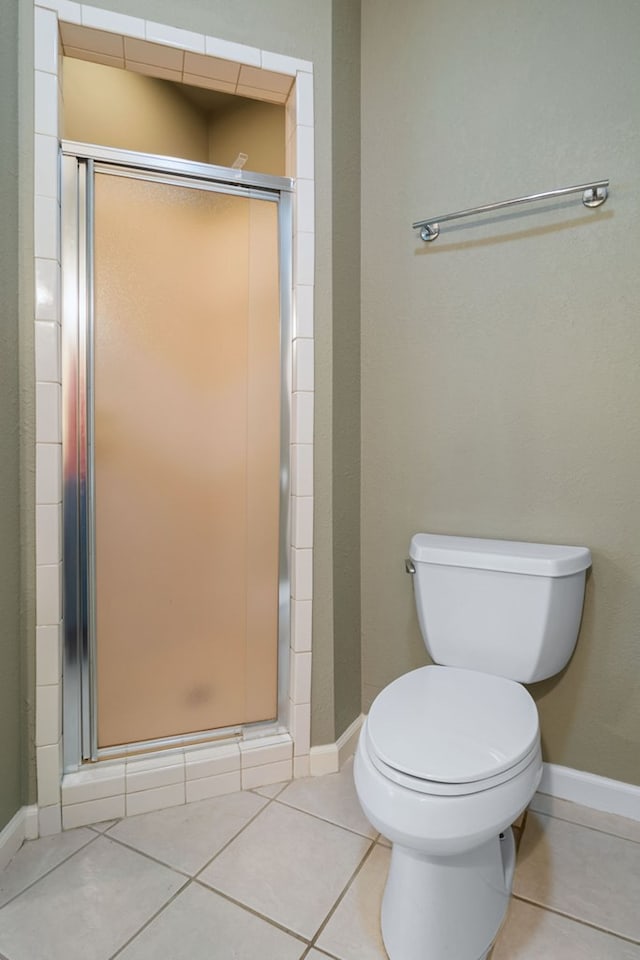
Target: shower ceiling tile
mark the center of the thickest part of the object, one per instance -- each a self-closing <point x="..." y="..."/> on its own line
<point x="212" y="67"/>
<point x="94" y="41"/>
<point x="269" y="96"/>
<point x="159" y="73"/>
<point x="209" y="83"/>
<point x="265" y="80"/>
<point x="95" y="57"/>
<point x="154" y="54"/>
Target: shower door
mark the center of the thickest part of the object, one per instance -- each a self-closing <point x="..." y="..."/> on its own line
<point x="174" y="486"/>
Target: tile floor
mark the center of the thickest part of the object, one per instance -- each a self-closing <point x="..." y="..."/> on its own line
<point x="295" y="871"/>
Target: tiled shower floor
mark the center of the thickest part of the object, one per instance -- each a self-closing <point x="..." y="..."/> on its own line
<point x="295" y="871"/>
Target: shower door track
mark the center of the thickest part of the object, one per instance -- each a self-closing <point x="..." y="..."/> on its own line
<point x="79" y="163"/>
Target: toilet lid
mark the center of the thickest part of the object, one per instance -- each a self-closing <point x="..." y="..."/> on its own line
<point x="451" y="725"/>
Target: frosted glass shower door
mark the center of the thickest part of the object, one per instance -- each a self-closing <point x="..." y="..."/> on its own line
<point x="186" y="446"/>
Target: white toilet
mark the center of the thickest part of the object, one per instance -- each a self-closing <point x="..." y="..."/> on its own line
<point x="449" y="755"/>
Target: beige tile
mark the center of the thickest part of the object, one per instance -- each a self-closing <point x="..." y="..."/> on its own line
<point x="93" y="57"/>
<point x="288" y="866"/>
<point x="37" y="857"/>
<point x="209" y="83"/>
<point x="269" y="96"/>
<point x="187" y="837"/>
<point x="265" y="80"/>
<point x="580" y="872"/>
<point x="531" y="933"/>
<point x="332" y="797"/>
<point x="61" y="917"/>
<point x="576" y="813"/>
<point x="353" y="932"/>
<point x="200" y="925"/>
<point x="211" y="67"/>
<point x="96" y="41"/>
<point x="150" y="70"/>
<point x="154" y="54"/>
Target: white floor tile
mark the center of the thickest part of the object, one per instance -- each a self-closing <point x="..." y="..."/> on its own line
<point x="200" y="925"/>
<point x="271" y="789"/>
<point x="288" y="866"/>
<point x="88" y="907"/>
<point x="580" y="872"/>
<point x="186" y="837"/>
<point x="332" y="797"/>
<point x="353" y="932"/>
<point x="531" y="933"/>
<point x="37" y="857"/>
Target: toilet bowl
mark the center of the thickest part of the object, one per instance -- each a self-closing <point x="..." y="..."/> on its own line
<point x="449" y="755"/>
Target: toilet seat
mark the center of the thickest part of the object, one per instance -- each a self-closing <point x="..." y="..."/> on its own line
<point x="449" y="731"/>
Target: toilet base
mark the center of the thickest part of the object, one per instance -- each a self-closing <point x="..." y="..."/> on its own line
<point x="443" y="907"/>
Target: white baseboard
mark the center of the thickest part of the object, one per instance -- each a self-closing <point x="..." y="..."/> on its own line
<point x="22" y="826"/>
<point x="329" y="757"/>
<point x="599" y="793"/>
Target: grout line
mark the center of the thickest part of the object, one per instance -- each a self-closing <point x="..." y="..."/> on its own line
<point x="363" y="836"/>
<point x="254" y="912"/>
<point x="38" y="879"/>
<point x="568" y="916"/>
<point x="147" y="856"/>
<point x="269" y="801"/>
<point x="586" y="826"/>
<point x="151" y="919"/>
<point x="341" y="896"/>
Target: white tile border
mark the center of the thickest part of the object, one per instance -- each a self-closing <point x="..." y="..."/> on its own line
<point x="329" y="757"/>
<point x="590" y="790"/>
<point x="57" y="809"/>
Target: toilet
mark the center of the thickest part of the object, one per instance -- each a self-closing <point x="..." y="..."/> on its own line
<point x="449" y="755"/>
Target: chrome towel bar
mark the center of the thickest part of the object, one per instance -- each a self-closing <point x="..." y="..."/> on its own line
<point x="593" y="195"/>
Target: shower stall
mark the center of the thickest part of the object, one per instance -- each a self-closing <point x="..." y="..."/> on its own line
<point x="176" y="299"/>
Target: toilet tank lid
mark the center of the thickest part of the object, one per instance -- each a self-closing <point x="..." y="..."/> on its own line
<point x="509" y="556"/>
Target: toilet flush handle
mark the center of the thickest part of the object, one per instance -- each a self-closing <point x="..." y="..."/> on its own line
<point x="409" y="566"/>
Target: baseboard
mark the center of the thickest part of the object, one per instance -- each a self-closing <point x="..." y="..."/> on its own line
<point x="329" y="757"/>
<point x="22" y="826"/>
<point x="599" y="793"/>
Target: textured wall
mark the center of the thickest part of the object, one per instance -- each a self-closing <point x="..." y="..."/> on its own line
<point x="10" y="663"/>
<point x="501" y="363"/>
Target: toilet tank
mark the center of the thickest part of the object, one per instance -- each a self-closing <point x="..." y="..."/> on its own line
<point x="499" y="606"/>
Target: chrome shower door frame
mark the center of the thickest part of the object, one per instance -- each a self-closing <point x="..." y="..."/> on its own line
<point x="80" y="162"/>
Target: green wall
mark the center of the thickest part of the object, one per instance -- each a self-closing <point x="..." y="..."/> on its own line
<point x="501" y="363"/>
<point x="11" y="719"/>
